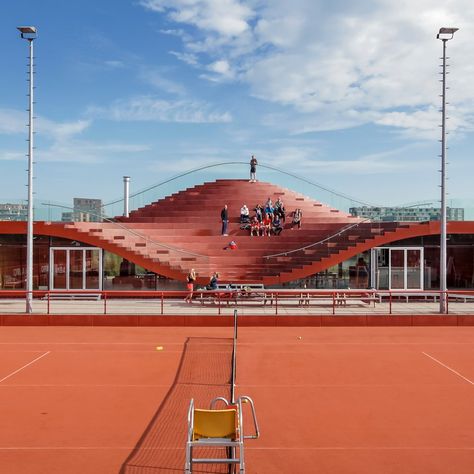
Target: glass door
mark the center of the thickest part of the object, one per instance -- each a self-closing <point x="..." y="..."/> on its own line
<point x="58" y="266"/>
<point x="414" y="273"/>
<point x="379" y="268"/>
<point x="75" y="268"/>
<point x="397" y="268"/>
<point x="92" y="269"/>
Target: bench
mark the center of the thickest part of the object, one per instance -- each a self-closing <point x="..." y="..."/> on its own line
<point x="73" y="296"/>
<point x="407" y="294"/>
<point x="460" y="296"/>
<point x="342" y="297"/>
<point x="425" y="295"/>
<point x="231" y="293"/>
<point x="304" y="297"/>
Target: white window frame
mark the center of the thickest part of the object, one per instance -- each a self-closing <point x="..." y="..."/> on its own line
<point x="68" y="250"/>
<point x="373" y="266"/>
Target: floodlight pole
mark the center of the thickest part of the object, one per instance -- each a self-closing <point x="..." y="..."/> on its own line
<point x="443" y="223"/>
<point x="30" y="36"/>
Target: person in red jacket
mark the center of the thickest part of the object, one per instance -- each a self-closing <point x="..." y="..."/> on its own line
<point x="254" y="226"/>
<point x="266" y="225"/>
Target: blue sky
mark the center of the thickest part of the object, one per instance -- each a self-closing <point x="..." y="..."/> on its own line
<point x="342" y="93"/>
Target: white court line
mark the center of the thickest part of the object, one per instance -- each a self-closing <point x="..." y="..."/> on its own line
<point x="106" y="351"/>
<point x="306" y="386"/>
<point x="357" y="448"/>
<point x="25" y="366"/>
<point x="45" y="385"/>
<point x="263" y="448"/>
<point x="449" y="368"/>
<point x="243" y="344"/>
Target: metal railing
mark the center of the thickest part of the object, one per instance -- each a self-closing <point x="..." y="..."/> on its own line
<point x="306" y="302"/>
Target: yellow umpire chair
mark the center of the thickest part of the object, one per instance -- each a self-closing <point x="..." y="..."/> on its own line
<point x="219" y="428"/>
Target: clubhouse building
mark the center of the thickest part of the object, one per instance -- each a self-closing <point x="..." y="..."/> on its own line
<point x="157" y="245"/>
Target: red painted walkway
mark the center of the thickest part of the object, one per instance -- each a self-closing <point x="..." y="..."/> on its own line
<point x="329" y="400"/>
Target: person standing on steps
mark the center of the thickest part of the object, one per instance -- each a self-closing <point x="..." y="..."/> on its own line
<point x="225" y="220"/>
<point x="253" y="169"/>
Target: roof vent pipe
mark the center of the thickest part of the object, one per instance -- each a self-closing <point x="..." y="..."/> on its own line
<point x="126" y="195"/>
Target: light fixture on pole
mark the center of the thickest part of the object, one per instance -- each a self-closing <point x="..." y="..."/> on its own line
<point x="29" y="33"/>
<point x="445" y="34"/>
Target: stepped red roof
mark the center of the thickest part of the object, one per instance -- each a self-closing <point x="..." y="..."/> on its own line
<point x="182" y="231"/>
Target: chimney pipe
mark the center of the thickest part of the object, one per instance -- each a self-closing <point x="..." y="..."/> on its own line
<point x="126" y="195"/>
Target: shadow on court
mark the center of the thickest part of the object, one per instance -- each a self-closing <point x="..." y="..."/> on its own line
<point x="204" y="373"/>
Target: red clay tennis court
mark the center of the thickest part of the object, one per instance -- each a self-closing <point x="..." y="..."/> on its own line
<point x="328" y="400"/>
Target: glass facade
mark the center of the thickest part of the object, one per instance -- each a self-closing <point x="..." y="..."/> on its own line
<point x="352" y="273"/>
<point x="13" y="262"/>
<point x="78" y="266"/>
<point x="409" y="266"/>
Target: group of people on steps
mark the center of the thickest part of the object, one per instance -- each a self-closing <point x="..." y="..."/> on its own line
<point x="268" y="219"/>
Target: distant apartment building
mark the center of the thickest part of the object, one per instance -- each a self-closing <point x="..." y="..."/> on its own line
<point x="406" y="214"/>
<point x="67" y="217"/>
<point x="87" y="210"/>
<point x="13" y="212"/>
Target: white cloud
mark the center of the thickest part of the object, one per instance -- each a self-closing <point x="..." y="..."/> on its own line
<point x="221" y="67"/>
<point x="149" y="108"/>
<point x="187" y="58"/>
<point x="13" y="121"/>
<point x="348" y="63"/>
<point x="115" y="64"/>
<point x="225" y="17"/>
<point x="76" y="151"/>
<point x="81" y="151"/>
<point x="156" y="79"/>
<point x="61" y="130"/>
<point x="220" y="71"/>
<point x="307" y="159"/>
<point x="60" y="140"/>
<point x="11" y="156"/>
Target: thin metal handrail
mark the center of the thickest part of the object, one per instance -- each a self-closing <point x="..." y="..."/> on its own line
<point x="319" y="242"/>
<point x="214" y="165"/>
<point x="134" y="232"/>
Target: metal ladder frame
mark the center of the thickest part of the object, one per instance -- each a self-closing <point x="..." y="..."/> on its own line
<point x="233" y="445"/>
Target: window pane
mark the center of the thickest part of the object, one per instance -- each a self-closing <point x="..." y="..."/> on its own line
<point x="59" y="270"/>
<point x="75" y="269"/>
